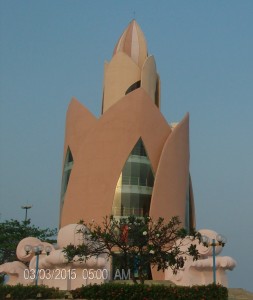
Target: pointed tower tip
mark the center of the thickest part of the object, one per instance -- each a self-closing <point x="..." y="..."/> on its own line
<point x="133" y="43"/>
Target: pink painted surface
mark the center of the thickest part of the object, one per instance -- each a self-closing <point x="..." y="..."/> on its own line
<point x="104" y="151"/>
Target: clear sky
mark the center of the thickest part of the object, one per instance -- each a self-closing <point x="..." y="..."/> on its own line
<point x="53" y="50"/>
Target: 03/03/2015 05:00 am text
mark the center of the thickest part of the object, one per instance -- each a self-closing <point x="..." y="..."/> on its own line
<point x="62" y="274"/>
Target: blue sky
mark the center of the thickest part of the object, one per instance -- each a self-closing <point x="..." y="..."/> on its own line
<point x="53" y="50"/>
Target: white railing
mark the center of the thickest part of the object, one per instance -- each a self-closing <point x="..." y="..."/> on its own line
<point x="130" y="180"/>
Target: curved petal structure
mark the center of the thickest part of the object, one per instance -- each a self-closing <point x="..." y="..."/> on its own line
<point x="130" y="68"/>
<point x="172" y="175"/>
<point x="79" y="121"/>
<point x="149" y="78"/>
<point x="120" y="74"/>
<point x="104" y="152"/>
<point x="133" y="43"/>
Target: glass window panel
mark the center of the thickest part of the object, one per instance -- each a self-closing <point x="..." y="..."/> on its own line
<point x="136" y="185"/>
<point x="68" y="165"/>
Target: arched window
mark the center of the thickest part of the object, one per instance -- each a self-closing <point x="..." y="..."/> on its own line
<point x="135" y="185"/>
<point x="133" y="87"/>
<point x="189" y="210"/>
<point x="68" y="165"/>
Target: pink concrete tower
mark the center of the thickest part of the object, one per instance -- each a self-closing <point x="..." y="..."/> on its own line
<point x="130" y="161"/>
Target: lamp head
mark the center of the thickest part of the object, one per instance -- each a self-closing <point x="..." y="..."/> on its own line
<point x="205" y="240"/>
<point x="36" y="250"/>
<point x="28" y="249"/>
<point x="221" y="239"/>
<point x="41" y="247"/>
<point x="26" y="206"/>
<point x="48" y="249"/>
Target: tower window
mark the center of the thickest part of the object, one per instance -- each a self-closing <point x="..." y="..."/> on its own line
<point x="133" y="87"/>
<point x="68" y="165"/>
<point x="135" y="185"/>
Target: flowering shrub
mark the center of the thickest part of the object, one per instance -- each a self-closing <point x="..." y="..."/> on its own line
<point x="141" y="243"/>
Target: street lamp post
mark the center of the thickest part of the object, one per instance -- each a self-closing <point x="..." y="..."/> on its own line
<point x="37" y="250"/>
<point x="220" y="240"/>
<point x="26" y="207"/>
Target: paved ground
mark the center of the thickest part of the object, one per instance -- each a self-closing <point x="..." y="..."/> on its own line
<point x="239" y="294"/>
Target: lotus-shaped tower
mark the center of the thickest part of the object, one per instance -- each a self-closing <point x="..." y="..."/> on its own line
<point x="130" y="161"/>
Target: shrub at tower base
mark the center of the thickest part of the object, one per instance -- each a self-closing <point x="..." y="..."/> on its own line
<point x="117" y="291"/>
<point x="135" y="245"/>
<point x="153" y="292"/>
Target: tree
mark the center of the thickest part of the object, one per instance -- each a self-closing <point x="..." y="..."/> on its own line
<point x="140" y="243"/>
<point x="13" y="231"/>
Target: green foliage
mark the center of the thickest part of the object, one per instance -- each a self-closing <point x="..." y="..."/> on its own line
<point x="141" y="243"/>
<point x="30" y="292"/>
<point x="117" y="291"/>
<point x="2" y="279"/>
<point x="13" y="231"/>
<point x="154" y="292"/>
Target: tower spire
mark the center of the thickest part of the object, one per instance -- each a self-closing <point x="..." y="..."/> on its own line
<point x="133" y="43"/>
